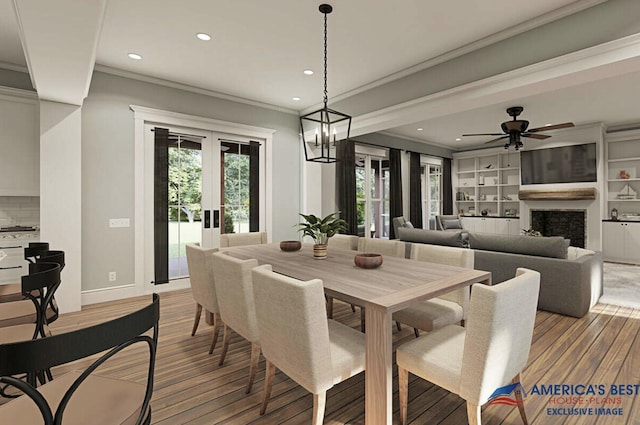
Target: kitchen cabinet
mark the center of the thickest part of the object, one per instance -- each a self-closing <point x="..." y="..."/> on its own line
<point x="20" y="146"/>
<point x="13" y="266"/>
<point x="621" y="241"/>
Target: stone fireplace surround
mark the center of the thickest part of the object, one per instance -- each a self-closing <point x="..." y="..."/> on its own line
<point x="568" y="223"/>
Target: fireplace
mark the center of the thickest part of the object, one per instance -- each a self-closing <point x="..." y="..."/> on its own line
<point x="570" y="224"/>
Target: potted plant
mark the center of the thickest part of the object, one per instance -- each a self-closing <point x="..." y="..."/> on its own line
<point x="320" y="230"/>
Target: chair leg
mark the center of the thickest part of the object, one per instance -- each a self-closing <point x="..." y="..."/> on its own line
<point x="269" y="373"/>
<point x="319" y="403"/>
<point x="362" y="321"/>
<point x="196" y="321"/>
<point x="473" y="414"/>
<point x="329" y="307"/>
<point x="403" y="390"/>
<point x="353" y="308"/>
<point x="399" y="326"/>
<point x="520" y="401"/>
<point x="253" y="366"/>
<point x="225" y="344"/>
<point x="416" y="332"/>
<point x="217" y="324"/>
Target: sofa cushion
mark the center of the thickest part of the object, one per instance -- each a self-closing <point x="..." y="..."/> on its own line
<point x="552" y="246"/>
<point x="433" y="237"/>
<point x="452" y="224"/>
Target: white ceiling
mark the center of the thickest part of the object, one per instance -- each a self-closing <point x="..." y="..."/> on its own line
<point x="260" y="49"/>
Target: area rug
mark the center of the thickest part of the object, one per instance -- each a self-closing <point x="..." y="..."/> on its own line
<point x="621" y="285"/>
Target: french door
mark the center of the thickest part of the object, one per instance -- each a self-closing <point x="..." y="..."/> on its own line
<point x="372" y="195"/>
<point x="186" y="196"/>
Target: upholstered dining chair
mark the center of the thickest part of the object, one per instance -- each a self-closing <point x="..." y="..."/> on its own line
<point x="297" y="338"/>
<point x="485" y="356"/>
<point x="343" y="242"/>
<point x="239" y="239"/>
<point x="237" y="308"/>
<point x="448" y="309"/>
<point x="391" y="248"/>
<point x="82" y="397"/>
<point x="200" y="265"/>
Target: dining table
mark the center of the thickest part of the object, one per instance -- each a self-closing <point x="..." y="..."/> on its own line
<point x="396" y="284"/>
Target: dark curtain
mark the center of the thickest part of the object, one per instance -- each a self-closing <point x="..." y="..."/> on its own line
<point x="415" y="190"/>
<point x="447" y="190"/>
<point x="161" y="205"/>
<point x="346" y="184"/>
<point x="254" y="186"/>
<point x="395" y="188"/>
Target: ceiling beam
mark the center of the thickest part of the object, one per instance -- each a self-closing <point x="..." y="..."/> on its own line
<point x="60" y="39"/>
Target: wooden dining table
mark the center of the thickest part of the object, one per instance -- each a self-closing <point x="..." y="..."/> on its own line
<point x="396" y="284"/>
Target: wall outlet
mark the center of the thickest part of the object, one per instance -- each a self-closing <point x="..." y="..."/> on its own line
<point x="112" y="276"/>
<point x="119" y="222"/>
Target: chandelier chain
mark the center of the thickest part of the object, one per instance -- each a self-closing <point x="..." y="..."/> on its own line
<point x="325" y="61"/>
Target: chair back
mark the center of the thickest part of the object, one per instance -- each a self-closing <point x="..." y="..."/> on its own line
<point x="235" y="294"/>
<point x="382" y="246"/>
<point x="498" y="336"/>
<point x="441" y="225"/>
<point x="241" y="239"/>
<point x="44" y="353"/>
<point x="294" y="333"/>
<point x="35" y="250"/>
<point x="200" y="265"/>
<point x="344" y="242"/>
<point x="450" y="256"/>
<point x="39" y="286"/>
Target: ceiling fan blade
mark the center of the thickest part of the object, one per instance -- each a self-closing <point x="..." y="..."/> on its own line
<point x="484" y="134"/>
<point x="499" y="138"/>
<point x="536" y="136"/>
<point x="551" y="127"/>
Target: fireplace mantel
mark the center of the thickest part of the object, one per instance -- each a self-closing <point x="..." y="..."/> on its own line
<point x="553" y="195"/>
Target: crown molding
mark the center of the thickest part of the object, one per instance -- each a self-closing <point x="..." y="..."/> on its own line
<point x="25" y="96"/>
<point x="554" y="15"/>
<point x="192" y="89"/>
<point x="14" y="67"/>
<point x="415" y="139"/>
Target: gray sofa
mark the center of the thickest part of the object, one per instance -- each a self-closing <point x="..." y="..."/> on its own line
<point x="570" y="278"/>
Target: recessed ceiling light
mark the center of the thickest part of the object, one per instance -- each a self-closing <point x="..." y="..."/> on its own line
<point x="420" y="129"/>
<point x="547" y="125"/>
<point x="458" y="139"/>
<point x="135" y="56"/>
<point x="296" y="98"/>
<point x="203" y="36"/>
<point x="308" y="72"/>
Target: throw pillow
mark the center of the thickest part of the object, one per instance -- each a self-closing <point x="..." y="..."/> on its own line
<point x="407" y="225"/>
<point x="451" y="224"/>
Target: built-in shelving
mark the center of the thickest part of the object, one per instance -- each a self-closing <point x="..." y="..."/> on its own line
<point x="623" y="171"/>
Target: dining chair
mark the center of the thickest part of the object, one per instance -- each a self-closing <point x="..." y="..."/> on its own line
<point x="240" y="239"/>
<point x="13" y="291"/>
<point x="485" y="357"/>
<point x="82" y="396"/>
<point x="22" y="311"/>
<point x="391" y="248"/>
<point x="447" y="309"/>
<point x="200" y="265"/>
<point x="297" y="338"/>
<point x="344" y="242"/>
<point x="236" y="303"/>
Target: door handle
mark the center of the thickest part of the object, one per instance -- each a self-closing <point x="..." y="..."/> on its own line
<point x="207" y="219"/>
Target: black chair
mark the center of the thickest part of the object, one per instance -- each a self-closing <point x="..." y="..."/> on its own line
<point x="79" y="397"/>
<point x="21" y="311"/>
<point x="13" y="291"/>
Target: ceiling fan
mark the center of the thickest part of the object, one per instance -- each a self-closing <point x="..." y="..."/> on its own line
<point x="515" y="129"/>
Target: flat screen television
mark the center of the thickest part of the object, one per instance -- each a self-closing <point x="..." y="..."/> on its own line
<point x="566" y="164"/>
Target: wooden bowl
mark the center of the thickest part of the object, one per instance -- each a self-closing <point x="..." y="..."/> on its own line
<point x="289" y="246"/>
<point x="368" y="260"/>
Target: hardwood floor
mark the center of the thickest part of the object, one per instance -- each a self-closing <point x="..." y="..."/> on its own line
<point x="190" y="388"/>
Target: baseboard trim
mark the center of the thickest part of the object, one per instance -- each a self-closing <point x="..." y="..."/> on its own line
<point x="93" y="296"/>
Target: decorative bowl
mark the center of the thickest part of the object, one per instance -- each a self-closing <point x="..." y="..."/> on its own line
<point x="368" y="260"/>
<point x="289" y="246"/>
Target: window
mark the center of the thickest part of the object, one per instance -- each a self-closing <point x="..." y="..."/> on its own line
<point x="234" y="170"/>
<point x="431" y="190"/>
<point x="372" y="196"/>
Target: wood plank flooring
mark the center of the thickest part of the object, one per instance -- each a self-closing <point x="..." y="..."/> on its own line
<point x="190" y="388"/>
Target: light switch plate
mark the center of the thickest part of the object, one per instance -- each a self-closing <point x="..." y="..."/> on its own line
<point x="119" y="222"/>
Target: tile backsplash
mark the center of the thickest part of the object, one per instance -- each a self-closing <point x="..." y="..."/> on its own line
<point x="19" y="211"/>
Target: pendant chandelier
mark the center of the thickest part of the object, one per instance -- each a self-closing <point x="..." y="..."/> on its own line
<point x="318" y="129"/>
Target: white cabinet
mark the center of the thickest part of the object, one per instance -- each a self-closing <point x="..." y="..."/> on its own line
<point x="503" y="226"/>
<point x="508" y="226"/>
<point x="621" y="241"/>
<point x="19" y="146"/>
